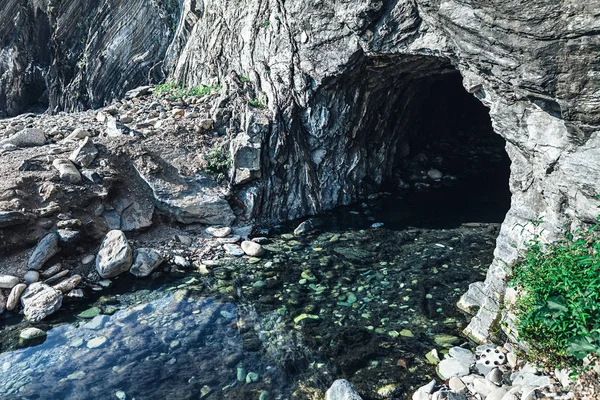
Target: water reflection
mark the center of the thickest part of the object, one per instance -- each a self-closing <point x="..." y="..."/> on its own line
<point x="179" y="347"/>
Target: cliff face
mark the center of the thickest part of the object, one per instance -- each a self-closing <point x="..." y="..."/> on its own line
<point x="76" y="54"/>
<point x="343" y="80"/>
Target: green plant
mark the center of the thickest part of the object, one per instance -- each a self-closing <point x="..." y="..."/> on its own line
<point x="558" y="307"/>
<point x="177" y="91"/>
<point x="217" y="163"/>
<point x="244" y="79"/>
<point x="256" y="103"/>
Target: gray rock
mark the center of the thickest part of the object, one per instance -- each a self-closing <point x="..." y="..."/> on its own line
<point x="40" y="300"/>
<point x="67" y="171"/>
<point x="146" y="260"/>
<point x="252" y="249"/>
<point x="341" y="389"/>
<point x="218" y="232"/>
<point x="495" y="376"/>
<point x="450" y="367"/>
<point x="115" y="255"/>
<point x="31" y="333"/>
<point x="46" y="248"/>
<point x="12" y="218"/>
<point x="97" y="322"/>
<point x="15" y="296"/>
<point x="31" y="277"/>
<point x="496" y="394"/>
<point x="68" y="237"/>
<point x="8" y="281"/>
<point x="85" y="154"/>
<point x="66" y="285"/>
<point x="483" y="387"/>
<point x="457" y="385"/>
<point x="233" y="249"/>
<point x="462" y="354"/>
<point x="79" y="133"/>
<point x="28" y="137"/>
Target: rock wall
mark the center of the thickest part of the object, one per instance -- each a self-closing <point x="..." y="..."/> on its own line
<point x="75" y="54"/>
<point x="342" y="79"/>
<point x="339" y="76"/>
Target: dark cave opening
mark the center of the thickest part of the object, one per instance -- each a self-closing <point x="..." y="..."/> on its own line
<point x="402" y="124"/>
<point x="451" y="159"/>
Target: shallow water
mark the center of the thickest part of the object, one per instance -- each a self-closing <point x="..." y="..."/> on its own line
<point x="343" y="301"/>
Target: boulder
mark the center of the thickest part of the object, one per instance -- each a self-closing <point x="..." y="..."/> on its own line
<point x="40" y="300"/>
<point x="115" y="255"/>
<point x="28" y="137"/>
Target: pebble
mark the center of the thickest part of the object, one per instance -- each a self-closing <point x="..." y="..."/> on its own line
<point x="483" y="387"/>
<point x="496" y="394"/>
<point x="450" y="367"/>
<point x="252" y="249"/>
<point x="8" y="281"/>
<point x="46" y="248"/>
<point x="457" y="385"/>
<point x="511" y="358"/>
<point x="31" y="277"/>
<point x="40" y="300"/>
<point x="31" y="333"/>
<point x="96" y="342"/>
<point x="233" y="250"/>
<point x="120" y="395"/>
<point x="341" y="389"/>
<point x="67" y="170"/>
<point x="145" y="261"/>
<point x="15" y="296"/>
<point x="68" y="284"/>
<point x="52" y="270"/>
<point x="494" y="376"/>
<point x="218" y="232"/>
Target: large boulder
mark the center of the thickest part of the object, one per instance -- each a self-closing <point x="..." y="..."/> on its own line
<point x="40" y="300"/>
<point x="115" y="255"/>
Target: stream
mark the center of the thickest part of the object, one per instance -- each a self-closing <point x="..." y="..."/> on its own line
<point x="348" y="299"/>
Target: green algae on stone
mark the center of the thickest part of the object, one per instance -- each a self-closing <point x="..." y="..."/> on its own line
<point x="89" y="313"/>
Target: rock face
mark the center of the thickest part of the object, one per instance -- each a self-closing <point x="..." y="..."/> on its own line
<point x="115" y="255"/>
<point x="62" y="55"/>
<point x="344" y="94"/>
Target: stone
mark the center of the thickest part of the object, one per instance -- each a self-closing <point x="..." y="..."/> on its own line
<point x="67" y="171"/>
<point x="483" y="387"/>
<point x="31" y="333"/>
<point x="446" y="340"/>
<point x="305" y="227"/>
<point x="138" y="92"/>
<point x="51" y="271"/>
<point x="145" y="261"/>
<point x="180" y="261"/>
<point x="462" y="354"/>
<point x="15" y="296"/>
<point x="434" y="174"/>
<point x="79" y="133"/>
<point x="219" y="232"/>
<point x="8" y="281"/>
<point x="46" y="248"/>
<point x="85" y="154"/>
<point x="450" y="367"/>
<point x="496" y="394"/>
<point x="28" y="137"/>
<point x="65" y="286"/>
<point x="89" y="313"/>
<point x="511" y="358"/>
<point x="97" y="322"/>
<point x="31" y="277"/>
<point x="252" y="249"/>
<point x="495" y="376"/>
<point x="39" y="301"/>
<point x="115" y="255"/>
<point x="424" y="392"/>
<point x="432" y="357"/>
<point x="68" y="237"/>
<point x="96" y="342"/>
<point x="56" y="277"/>
<point x="233" y="249"/>
<point x="12" y="218"/>
<point x="341" y="389"/>
<point x="457" y="385"/>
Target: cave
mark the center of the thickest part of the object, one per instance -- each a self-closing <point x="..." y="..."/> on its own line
<point x="399" y="124"/>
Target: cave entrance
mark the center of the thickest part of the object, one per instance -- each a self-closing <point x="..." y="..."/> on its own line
<point x="450" y="161"/>
<point x="406" y="125"/>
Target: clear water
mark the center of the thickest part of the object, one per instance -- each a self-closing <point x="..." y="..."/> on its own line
<point x="346" y="301"/>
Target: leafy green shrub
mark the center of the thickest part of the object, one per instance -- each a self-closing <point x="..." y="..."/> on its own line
<point x="177" y="91"/>
<point x="256" y="103"/>
<point x="558" y="306"/>
<point x="217" y="163"/>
